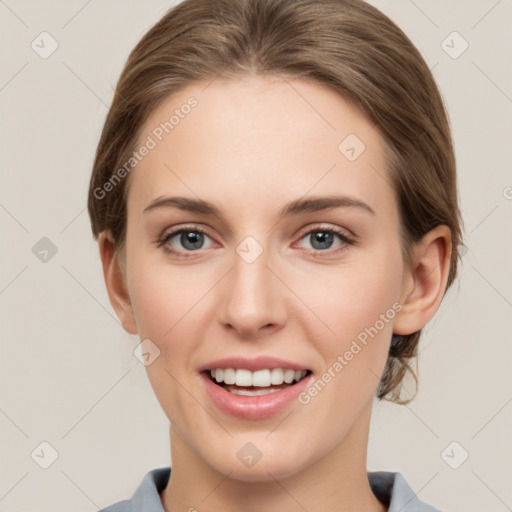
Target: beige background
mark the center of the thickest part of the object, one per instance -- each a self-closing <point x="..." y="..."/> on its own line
<point x="67" y="375"/>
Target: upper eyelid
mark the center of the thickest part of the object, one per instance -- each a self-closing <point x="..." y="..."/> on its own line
<point x="174" y="232"/>
<point x="325" y="227"/>
<point x="301" y="234"/>
<point x="305" y="230"/>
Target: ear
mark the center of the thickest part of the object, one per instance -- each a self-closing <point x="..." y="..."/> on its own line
<point x="115" y="280"/>
<point x="425" y="281"/>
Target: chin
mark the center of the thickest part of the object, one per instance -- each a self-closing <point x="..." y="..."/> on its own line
<point x="266" y="469"/>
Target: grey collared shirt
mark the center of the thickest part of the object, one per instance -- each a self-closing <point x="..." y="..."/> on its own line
<point x="390" y="488"/>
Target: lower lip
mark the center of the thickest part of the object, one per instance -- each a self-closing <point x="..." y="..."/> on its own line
<point x="253" y="407"/>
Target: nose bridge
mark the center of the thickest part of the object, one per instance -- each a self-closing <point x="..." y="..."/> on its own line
<point x="253" y="298"/>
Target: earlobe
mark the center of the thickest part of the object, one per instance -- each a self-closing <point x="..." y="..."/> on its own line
<point x="425" y="282"/>
<point x="115" y="282"/>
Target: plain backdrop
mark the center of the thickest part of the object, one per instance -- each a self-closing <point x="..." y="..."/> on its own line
<point x="67" y="374"/>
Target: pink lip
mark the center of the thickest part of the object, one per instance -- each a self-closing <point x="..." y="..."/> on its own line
<point x="253" y="407"/>
<point x="258" y="363"/>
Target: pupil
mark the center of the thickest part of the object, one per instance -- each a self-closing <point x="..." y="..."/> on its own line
<point x="191" y="240"/>
<point x="324" y="239"/>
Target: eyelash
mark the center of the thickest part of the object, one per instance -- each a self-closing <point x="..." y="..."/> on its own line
<point x="161" y="242"/>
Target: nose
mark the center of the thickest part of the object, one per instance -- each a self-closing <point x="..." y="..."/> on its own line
<point x="253" y="302"/>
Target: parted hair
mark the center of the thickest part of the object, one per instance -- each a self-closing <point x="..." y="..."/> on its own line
<point x="345" y="45"/>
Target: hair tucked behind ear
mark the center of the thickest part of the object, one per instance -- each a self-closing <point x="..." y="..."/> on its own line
<point x="401" y="357"/>
<point x="346" y="45"/>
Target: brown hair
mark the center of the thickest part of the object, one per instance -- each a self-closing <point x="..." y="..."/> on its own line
<point x="346" y="45"/>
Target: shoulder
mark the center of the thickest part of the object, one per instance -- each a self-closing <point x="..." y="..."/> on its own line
<point x="392" y="489"/>
<point x="147" y="495"/>
<point x="120" y="506"/>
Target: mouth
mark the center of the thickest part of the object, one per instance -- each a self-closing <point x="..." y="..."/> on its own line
<point x="243" y="382"/>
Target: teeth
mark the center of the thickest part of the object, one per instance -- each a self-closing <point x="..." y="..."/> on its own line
<point x="229" y="376"/>
<point x="243" y="378"/>
<point x="256" y="392"/>
<point x="289" y="375"/>
<point x="259" y="378"/>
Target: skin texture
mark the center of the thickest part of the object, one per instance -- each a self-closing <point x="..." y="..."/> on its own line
<point x="250" y="146"/>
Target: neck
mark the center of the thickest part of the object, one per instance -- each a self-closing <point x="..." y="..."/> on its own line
<point x="336" y="481"/>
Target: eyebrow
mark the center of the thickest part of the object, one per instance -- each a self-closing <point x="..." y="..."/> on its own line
<point x="295" y="207"/>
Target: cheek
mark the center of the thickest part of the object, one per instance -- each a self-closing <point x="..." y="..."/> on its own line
<point x="168" y="302"/>
<point x="358" y="304"/>
<point x="167" y="305"/>
<point x="360" y="307"/>
<point x="160" y="294"/>
<point x="352" y="297"/>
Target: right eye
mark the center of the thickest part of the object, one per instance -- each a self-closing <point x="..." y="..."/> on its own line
<point x="190" y="239"/>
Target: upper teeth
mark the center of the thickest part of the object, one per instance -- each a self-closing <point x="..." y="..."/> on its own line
<point x="259" y="378"/>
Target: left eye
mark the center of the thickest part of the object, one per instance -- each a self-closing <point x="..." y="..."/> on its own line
<point x="322" y="239"/>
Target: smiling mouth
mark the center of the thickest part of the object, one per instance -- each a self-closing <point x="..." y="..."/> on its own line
<point x="261" y="382"/>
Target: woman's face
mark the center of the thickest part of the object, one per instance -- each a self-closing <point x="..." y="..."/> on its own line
<point x="270" y="280"/>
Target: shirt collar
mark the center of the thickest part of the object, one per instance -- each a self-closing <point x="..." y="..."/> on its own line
<point x="390" y="488"/>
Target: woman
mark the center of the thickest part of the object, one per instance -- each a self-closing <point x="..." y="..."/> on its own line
<point x="274" y="197"/>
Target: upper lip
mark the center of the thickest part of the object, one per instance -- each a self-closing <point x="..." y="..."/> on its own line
<point x="257" y="363"/>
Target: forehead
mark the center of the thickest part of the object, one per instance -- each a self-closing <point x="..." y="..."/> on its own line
<point x="258" y="136"/>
